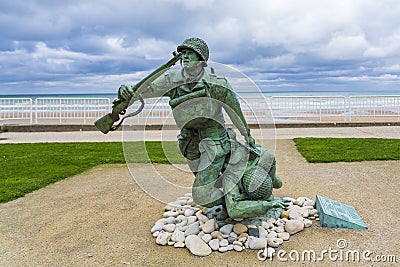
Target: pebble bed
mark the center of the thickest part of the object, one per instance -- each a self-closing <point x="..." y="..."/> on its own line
<point x="185" y="225"/>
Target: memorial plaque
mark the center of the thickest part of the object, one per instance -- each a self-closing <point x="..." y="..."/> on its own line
<point x="334" y="214"/>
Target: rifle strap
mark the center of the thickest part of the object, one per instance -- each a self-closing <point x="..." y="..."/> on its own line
<point x="140" y="98"/>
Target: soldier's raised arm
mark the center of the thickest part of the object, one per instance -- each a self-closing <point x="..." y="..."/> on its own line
<point x="157" y="88"/>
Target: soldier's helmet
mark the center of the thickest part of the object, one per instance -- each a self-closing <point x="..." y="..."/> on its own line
<point x="257" y="183"/>
<point x="198" y="45"/>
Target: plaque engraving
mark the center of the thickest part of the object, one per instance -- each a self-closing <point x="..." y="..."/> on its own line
<point x="334" y="214"/>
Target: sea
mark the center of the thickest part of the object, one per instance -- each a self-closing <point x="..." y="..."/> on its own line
<point x="243" y="94"/>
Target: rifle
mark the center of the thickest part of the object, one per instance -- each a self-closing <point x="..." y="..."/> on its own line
<point x="105" y="123"/>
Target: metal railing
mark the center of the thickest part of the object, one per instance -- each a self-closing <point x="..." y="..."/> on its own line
<point x="67" y="109"/>
<point x="292" y="109"/>
<point x="16" y="109"/>
<point x="374" y="107"/>
<point x="309" y="108"/>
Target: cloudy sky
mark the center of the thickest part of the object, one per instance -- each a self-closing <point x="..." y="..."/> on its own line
<point x="89" y="46"/>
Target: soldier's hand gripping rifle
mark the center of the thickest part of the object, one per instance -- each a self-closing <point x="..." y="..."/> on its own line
<point x="105" y="123"/>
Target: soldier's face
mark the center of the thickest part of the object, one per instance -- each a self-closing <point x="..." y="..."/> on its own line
<point x="189" y="58"/>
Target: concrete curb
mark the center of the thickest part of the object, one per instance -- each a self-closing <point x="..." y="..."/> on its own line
<point x="89" y="127"/>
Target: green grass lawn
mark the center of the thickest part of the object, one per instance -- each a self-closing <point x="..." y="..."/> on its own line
<point x="28" y="167"/>
<point x="348" y="149"/>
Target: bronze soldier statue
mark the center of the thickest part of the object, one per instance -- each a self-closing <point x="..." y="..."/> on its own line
<point x="237" y="175"/>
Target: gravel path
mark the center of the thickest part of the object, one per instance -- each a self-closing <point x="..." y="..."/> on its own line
<point x="102" y="217"/>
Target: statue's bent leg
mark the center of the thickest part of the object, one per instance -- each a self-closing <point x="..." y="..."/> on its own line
<point x="212" y="159"/>
<point x="204" y="191"/>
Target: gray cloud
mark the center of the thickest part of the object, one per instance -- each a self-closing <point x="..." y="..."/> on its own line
<point x="71" y="46"/>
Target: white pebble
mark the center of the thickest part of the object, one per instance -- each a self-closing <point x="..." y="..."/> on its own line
<point x="179" y="245"/>
<point x="169" y="227"/>
<point x="309" y="202"/>
<point x="156" y="233"/>
<point x="197" y="246"/>
<point x="206" y="238"/>
<point x="295" y="212"/>
<point x="307" y="223"/>
<point x="214" y="244"/>
<point x="163" y="238"/>
<point x="272" y="234"/>
<point x="193" y="229"/>
<point x="223" y="243"/>
<point x="223" y="249"/>
<point x="189" y="212"/>
<point x="280" y="229"/>
<point x="157" y="227"/>
<point x="181" y="228"/>
<point x="300" y="201"/>
<point x="305" y="213"/>
<point x="201" y="216"/>
<point x="170" y="220"/>
<point x="191" y="219"/>
<point x="237" y="248"/>
<point x="265" y="225"/>
<point x="262" y="233"/>
<point x="209" y="226"/>
<point x="182" y="223"/>
<point x="313" y="212"/>
<point x="257" y="243"/>
<point x="178" y="236"/>
<point x="180" y="218"/>
<point x="226" y="229"/>
<point x="294" y="226"/>
<point x="237" y="243"/>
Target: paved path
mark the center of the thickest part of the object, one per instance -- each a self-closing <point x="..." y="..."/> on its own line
<point x="170" y="135"/>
